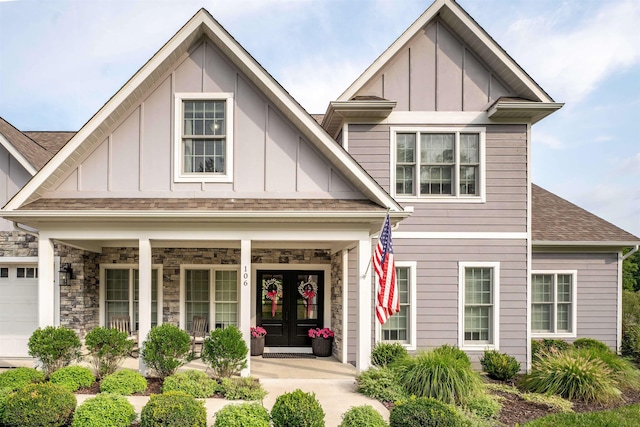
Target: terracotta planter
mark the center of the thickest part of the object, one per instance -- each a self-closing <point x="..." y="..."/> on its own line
<point x="257" y="346"/>
<point x="321" y="346"/>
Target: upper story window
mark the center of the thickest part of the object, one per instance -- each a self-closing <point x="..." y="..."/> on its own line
<point x="439" y="163"/>
<point x="204" y="137"/>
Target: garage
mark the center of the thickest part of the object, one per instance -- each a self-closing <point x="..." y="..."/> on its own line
<point x="18" y="308"/>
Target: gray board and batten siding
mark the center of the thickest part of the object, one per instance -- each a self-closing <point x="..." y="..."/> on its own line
<point x="13" y="176"/>
<point x="271" y="157"/>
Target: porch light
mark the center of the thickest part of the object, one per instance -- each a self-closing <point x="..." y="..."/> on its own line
<point x="65" y="274"/>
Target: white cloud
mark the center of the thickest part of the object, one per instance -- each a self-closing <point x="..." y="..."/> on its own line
<point x="549" y="140"/>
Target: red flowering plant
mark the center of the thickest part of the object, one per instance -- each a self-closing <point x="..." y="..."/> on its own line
<point x="321" y="333"/>
<point x="258" y="331"/>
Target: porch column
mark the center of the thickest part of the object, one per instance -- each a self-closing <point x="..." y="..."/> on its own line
<point x="244" y="321"/>
<point x="363" y="340"/>
<point x="144" y="296"/>
<point x="46" y="278"/>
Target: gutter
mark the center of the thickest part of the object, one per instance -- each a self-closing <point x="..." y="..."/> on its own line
<point x="36" y="234"/>
<point x="631" y="252"/>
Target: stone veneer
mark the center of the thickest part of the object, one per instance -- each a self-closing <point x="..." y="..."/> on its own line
<point x="336" y="303"/>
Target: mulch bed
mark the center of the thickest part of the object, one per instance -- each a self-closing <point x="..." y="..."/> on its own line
<point x="154" y="386"/>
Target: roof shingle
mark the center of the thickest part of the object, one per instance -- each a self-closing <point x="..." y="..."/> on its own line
<point x="33" y="153"/>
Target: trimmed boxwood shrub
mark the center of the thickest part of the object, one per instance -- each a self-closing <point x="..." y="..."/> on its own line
<point x="55" y="347"/>
<point x="425" y="412"/>
<point x="174" y="408"/>
<point x="360" y="416"/>
<point x="245" y="388"/>
<point x="73" y="377"/>
<point x="194" y="383"/>
<point x="108" y="348"/>
<point x="499" y="366"/>
<point x="36" y="405"/>
<point x="298" y="409"/>
<point x="242" y="415"/>
<point x="225" y="351"/>
<point x="384" y="353"/>
<point x="166" y="349"/>
<point x="104" y="410"/>
<point x="381" y="384"/>
<point x="4" y="395"/>
<point x="125" y="382"/>
<point x="19" y="377"/>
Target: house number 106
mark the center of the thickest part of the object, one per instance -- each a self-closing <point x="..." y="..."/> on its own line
<point x="245" y="277"/>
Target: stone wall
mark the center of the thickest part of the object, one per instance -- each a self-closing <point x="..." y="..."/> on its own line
<point x="16" y="243"/>
<point x="336" y="303"/>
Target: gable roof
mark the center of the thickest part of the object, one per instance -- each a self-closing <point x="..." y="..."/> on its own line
<point x="202" y="24"/>
<point x="52" y="141"/>
<point x="29" y="153"/>
<point x="556" y="221"/>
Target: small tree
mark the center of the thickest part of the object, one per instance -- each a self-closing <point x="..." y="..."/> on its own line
<point x="225" y="351"/>
<point x="165" y="349"/>
<point x="54" y="347"/>
<point x="108" y="349"/>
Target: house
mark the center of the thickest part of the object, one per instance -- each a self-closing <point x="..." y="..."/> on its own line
<point x="203" y="188"/>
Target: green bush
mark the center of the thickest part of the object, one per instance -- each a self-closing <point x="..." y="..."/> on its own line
<point x="19" y="377"/>
<point x="546" y="346"/>
<point x="173" y="409"/>
<point x="425" y="412"/>
<point x="54" y="347"/>
<point x="73" y="377"/>
<point x="297" y="409"/>
<point x="225" y="351"/>
<point x="441" y="375"/>
<point x="484" y="406"/>
<point x="360" y="416"/>
<point x="384" y="354"/>
<point x="125" y="382"/>
<point x="499" y="366"/>
<point x="242" y="415"/>
<point x="4" y="395"/>
<point x="245" y="388"/>
<point x="573" y="376"/>
<point x="591" y="343"/>
<point x="192" y="382"/>
<point x="451" y="352"/>
<point x="36" y="405"/>
<point x="108" y="348"/>
<point x="166" y="349"/>
<point x="381" y="384"/>
<point x="626" y="375"/>
<point x="631" y="342"/>
<point x="104" y="410"/>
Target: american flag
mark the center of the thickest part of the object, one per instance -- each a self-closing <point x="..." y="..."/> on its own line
<point x="384" y="266"/>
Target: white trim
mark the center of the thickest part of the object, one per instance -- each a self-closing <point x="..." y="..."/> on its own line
<point x="345" y="305"/>
<point x="619" y="306"/>
<point x="13" y="151"/>
<point x="245" y="293"/>
<point x="178" y="174"/>
<point x="56" y="291"/>
<point x="365" y="305"/>
<point x="458" y="235"/>
<point x="528" y="357"/>
<point x="18" y="260"/>
<point x="574" y="305"/>
<point x="345" y="136"/>
<point x="411" y="343"/>
<point x="495" y="332"/>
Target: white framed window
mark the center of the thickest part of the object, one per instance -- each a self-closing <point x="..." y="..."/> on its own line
<point x="479" y="305"/>
<point x="553" y="303"/>
<point x="210" y="291"/>
<point x="120" y="290"/>
<point x="401" y="327"/>
<point x="203" y="137"/>
<point x="443" y="164"/>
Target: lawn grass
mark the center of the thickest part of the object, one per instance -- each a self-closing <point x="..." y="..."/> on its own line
<point x="625" y="416"/>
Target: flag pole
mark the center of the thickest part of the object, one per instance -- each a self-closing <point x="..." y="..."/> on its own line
<point x="379" y="232"/>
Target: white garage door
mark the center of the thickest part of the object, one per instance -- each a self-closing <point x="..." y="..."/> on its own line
<point x="18" y="308"/>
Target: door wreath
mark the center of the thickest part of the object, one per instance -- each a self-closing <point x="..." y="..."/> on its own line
<point x="308" y="290"/>
<point x="272" y="290"/>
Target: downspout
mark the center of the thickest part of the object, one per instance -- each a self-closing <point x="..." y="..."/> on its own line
<point x="631" y="252"/>
<point x="35" y="233"/>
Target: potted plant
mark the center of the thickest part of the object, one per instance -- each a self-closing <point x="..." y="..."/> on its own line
<point x="257" y="340"/>
<point x="321" y="340"/>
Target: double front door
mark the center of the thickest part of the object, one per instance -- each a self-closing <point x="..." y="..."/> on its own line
<point x="289" y="303"/>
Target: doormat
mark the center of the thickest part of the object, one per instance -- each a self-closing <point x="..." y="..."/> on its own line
<point x="287" y="356"/>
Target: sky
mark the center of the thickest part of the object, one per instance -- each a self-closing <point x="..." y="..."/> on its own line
<point x="61" y="60"/>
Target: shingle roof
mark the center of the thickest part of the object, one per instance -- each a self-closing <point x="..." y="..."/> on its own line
<point x="51" y="141"/>
<point x="33" y="153"/>
<point x="555" y="219"/>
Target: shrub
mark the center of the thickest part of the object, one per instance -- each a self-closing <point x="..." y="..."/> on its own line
<point x="174" y="408"/>
<point x="225" y="351"/>
<point x="384" y="354"/>
<point x="104" y="409"/>
<point x="125" y="382"/>
<point x="4" y="395"/>
<point x="484" y="406"/>
<point x="381" y="384"/>
<point x="73" y="377"/>
<point x="572" y="376"/>
<point x="54" y="347"/>
<point x="631" y="342"/>
<point x="242" y="415"/>
<point x="245" y="388"/>
<point x="365" y="415"/>
<point x="591" y="343"/>
<point x="441" y="375"/>
<point x="165" y="349"/>
<point x="192" y="382"/>
<point x="107" y="348"/>
<point x="425" y="412"/>
<point x="19" y="377"/>
<point x="547" y="345"/>
<point x="42" y="404"/>
<point x="298" y="409"/>
<point x="626" y="375"/>
<point x="449" y="351"/>
<point x="499" y="366"/>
